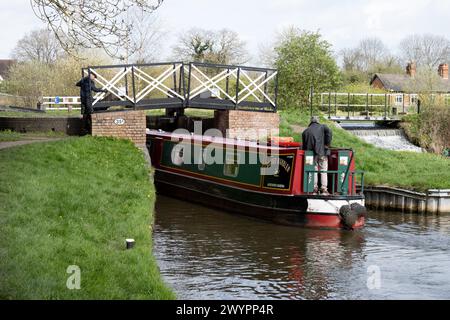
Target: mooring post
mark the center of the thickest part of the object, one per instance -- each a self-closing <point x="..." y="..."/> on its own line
<point x="130" y="243"/>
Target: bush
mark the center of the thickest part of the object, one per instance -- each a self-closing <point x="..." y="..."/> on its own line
<point x="32" y="80"/>
<point x="430" y="129"/>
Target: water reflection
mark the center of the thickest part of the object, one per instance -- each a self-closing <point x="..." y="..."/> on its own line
<point x="208" y="254"/>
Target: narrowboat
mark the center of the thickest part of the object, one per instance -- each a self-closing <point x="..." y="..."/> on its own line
<point x="272" y="181"/>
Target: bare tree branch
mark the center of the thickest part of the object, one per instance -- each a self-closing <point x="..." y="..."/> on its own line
<point x="91" y="23"/>
<point x="426" y="50"/>
<point x="145" y="39"/>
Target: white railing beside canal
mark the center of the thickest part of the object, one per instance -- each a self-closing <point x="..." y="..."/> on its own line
<point x="61" y="103"/>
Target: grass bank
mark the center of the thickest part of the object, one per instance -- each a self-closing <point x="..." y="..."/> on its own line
<point x="414" y="171"/>
<point x="73" y="203"/>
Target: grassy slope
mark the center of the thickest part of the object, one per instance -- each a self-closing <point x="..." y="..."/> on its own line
<point x="383" y="167"/>
<point x="74" y="202"/>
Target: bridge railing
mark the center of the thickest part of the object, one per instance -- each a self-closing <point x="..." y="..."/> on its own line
<point x="179" y="85"/>
<point x="372" y="105"/>
<point x="149" y="86"/>
<point x="216" y="86"/>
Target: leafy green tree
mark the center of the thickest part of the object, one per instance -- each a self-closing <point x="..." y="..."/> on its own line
<point x="304" y="59"/>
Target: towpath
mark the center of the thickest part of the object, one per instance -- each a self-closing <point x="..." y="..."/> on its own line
<point x="9" y="144"/>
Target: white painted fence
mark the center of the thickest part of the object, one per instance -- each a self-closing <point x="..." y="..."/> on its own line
<point x="61" y="103"/>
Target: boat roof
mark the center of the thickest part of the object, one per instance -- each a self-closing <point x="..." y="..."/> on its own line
<point x="218" y="140"/>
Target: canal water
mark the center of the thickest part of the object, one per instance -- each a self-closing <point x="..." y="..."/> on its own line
<point x="208" y="254"/>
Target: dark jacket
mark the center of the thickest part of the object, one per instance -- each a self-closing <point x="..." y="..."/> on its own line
<point x="86" y="86"/>
<point x="316" y="137"/>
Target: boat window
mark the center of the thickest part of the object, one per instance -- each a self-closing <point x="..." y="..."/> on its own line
<point x="231" y="165"/>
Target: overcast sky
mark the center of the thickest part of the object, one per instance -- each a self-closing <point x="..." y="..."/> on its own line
<point x="343" y="22"/>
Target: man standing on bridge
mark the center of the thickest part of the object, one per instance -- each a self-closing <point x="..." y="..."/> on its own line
<point x="87" y="85"/>
<point x="317" y="138"/>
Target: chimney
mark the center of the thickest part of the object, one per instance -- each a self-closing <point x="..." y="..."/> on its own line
<point x="411" y="69"/>
<point x="443" y="71"/>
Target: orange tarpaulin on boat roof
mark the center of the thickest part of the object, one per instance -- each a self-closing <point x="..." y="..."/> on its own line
<point x="284" y="142"/>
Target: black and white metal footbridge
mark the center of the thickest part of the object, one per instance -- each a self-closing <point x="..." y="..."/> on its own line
<point x="184" y="85"/>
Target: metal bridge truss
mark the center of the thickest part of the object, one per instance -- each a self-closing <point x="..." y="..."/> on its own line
<point x="179" y="85"/>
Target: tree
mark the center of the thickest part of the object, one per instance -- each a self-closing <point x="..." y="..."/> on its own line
<point x="91" y="23"/>
<point x="372" y="51"/>
<point x="146" y="37"/>
<point x="426" y="50"/>
<point x="223" y="47"/>
<point x="352" y="59"/>
<point x="266" y="54"/>
<point x="368" y="57"/>
<point x="369" y="52"/>
<point x="193" y="45"/>
<point x="228" y="48"/>
<point x="40" y="46"/>
<point x="304" y="59"/>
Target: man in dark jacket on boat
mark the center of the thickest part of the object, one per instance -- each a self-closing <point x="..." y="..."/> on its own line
<point x="87" y="85"/>
<point x="317" y="138"/>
